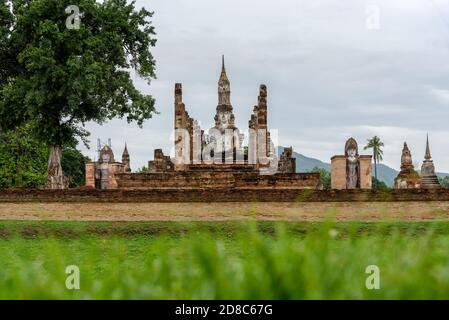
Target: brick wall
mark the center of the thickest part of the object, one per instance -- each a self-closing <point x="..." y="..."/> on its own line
<point x="338" y="172"/>
<point x="220" y="195"/>
<point x="90" y="174"/>
<point x="217" y="179"/>
<point x="365" y="172"/>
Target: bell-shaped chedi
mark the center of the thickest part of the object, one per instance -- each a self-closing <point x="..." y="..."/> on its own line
<point x="407" y="178"/>
<point x="429" y="179"/>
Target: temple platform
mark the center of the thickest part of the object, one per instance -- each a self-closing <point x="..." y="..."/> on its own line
<point x="187" y="180"/>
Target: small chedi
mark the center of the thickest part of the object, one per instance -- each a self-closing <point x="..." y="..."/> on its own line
<point x="407" y="178"/>
<point x="351" y="170"/>
<point x="212" y="159"/>
<point x="429" y="179"/>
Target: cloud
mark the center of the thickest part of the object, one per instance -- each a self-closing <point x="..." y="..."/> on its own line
<point x="328" y="76"/>
<point x="441" y="95"/>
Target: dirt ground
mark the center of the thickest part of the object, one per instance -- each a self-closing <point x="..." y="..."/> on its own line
<point x="287" y="211"/>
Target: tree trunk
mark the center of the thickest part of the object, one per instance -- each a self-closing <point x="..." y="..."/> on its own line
<point x="375" y="168"/>
<point x="55" y="176"/>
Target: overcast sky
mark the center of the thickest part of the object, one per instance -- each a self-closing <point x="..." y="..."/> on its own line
<point x="330" y="72"/>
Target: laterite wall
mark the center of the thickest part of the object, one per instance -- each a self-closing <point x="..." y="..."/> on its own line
<point x="219" y="195"/>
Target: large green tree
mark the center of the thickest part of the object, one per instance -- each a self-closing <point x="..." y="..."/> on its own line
<point x="62" y="76"/>
<point x="375" y="144"/>
<point x="7" y="66"/>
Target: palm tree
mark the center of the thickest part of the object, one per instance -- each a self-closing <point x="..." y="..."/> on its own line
<point x="376" y="145"/>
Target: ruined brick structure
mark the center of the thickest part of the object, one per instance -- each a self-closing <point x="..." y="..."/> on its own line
<point x="102" y="174"/>
<point x="161" y="163"/>
<point x="287" y="164"/>
<point x="351" y="170"/>
<point x="407" y="178"/>
<point x="217" y="159"/>
<point x="223" y="143"/>
<point x="429" y="179"/>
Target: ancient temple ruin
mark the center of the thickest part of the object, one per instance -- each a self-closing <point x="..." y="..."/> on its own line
<point x="407" y="178"/>
<point x="217" y="157"/>
<point x="221" y="147"/>
<point x="351" y="170"/>
<point x="101" y="174"/>
<point x="429" y="179"/>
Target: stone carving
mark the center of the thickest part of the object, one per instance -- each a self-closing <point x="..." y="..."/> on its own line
<point x="352" y="164"/>
<point x="407" y="178"/>
<point x="429" y="179"/>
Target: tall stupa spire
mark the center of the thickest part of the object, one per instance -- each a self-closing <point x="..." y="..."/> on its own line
<point x="125" y="151"/>
<point x="427" y="156"/>
<point x="429" y="178"/>
<point x="125" y="159"/>
<point x="224" y="90"/>
<point x="223" y="69"/>
<point x="224" y="118"/>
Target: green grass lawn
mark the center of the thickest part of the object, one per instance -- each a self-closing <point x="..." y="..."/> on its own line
<point x="235" y="260"/>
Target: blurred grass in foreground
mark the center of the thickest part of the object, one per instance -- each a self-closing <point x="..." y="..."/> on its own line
<point x="224" y="260"/>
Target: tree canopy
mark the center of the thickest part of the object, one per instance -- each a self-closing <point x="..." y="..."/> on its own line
<point x="61" y="77"/>
<point x="375" y="144"/>
<point x="66" y="77"/>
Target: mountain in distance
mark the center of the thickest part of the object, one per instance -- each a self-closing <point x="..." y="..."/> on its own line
<point x="384" y="172"/>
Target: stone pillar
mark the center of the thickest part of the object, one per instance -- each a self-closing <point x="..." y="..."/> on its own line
<point x="180" y="125"/>
<point x="90" y="174"/>
<point x="365" y="171"/>
<point x="262" y="123"/>
<point x="338" y="172"/>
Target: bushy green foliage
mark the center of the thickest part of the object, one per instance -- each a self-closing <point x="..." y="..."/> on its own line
<point x="224" y="261"/>
<point x="377" y="184"/>
<point x="74" y="165"/>
<point x="444" y="181"/>
<point x="23" y="160"/>
<point x="325" y="177"/>
<point x="142" y="169"/>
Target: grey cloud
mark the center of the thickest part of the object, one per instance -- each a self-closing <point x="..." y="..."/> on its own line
<point x="328" y="76"/>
